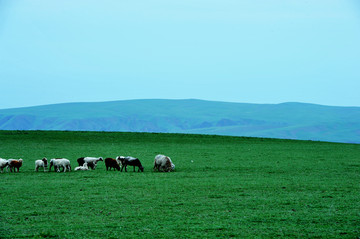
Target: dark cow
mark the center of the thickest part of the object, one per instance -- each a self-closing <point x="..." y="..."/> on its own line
<point x="125" y="161"/>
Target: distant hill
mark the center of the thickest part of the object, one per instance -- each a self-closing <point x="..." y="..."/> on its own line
<point x="287" y="120"/>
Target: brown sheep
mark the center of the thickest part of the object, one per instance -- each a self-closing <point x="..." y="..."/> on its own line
<point x="15" y="164"/>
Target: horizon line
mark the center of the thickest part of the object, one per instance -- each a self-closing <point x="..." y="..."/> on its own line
<point x="180" y="99"/>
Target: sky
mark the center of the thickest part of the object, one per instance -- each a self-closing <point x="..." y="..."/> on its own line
<point x="248" y="51"/>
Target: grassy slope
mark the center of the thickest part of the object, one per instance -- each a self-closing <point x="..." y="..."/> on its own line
<point x="236" y="187"/>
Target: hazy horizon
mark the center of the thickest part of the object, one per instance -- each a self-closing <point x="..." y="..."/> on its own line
<point x="158" y="99"/>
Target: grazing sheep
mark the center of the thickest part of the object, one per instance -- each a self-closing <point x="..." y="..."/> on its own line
<point x="125" y="161"/>
<point x="91" y="161"/>
<point x="15" y="164"/>
<point x="112" y="163"/>
<point x="60" y="162"/>
<point x="84" y="167"/>
<point x="3" y="163"/>
<point x="41" y="163"/>
<point x="163" y="163"/>
<point x="53" y="163"/>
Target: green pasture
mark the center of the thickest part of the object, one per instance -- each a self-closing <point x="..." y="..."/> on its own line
<point x="222" y="187"/>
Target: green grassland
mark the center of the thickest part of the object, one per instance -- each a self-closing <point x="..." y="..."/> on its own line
<point x="222" y="187"/>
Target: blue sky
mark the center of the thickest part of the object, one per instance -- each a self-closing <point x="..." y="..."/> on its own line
<point x="251" y="51"/>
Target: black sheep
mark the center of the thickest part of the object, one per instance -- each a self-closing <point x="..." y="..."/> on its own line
<point x="112" y="163"/>
<point x="125" y="161"/>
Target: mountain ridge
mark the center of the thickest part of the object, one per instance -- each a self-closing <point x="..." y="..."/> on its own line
<point x="290" y="120"/>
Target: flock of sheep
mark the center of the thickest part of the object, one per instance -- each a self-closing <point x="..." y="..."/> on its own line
<point x="161" y="163"/>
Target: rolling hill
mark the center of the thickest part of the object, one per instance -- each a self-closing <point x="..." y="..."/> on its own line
<point x="286" y="120"/>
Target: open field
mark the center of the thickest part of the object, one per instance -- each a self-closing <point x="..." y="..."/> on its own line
<point x="235" y="187"/>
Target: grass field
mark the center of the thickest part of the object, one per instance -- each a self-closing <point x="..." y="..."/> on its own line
<point x="222" y="187"/>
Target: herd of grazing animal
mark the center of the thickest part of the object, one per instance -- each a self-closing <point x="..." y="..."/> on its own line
<point x="162" y="163"/>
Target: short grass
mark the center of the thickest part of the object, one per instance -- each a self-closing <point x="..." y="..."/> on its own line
<point x="222" y="187"/>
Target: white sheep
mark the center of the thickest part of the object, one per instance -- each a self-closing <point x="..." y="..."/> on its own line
<point x="163" y="163"/>
<point x="60" y="162"/>
<point x="84" y="167"/>
<point x="4" y="163"/>
<point x="91" y="161"/>
<point x="41" y="163"/>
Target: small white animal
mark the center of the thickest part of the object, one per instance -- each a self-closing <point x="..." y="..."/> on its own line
<point x="3" y="163"/>
<point x="41" y="163"/>
<point x="163" y="163"/>
<point x="84" y="167"/>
